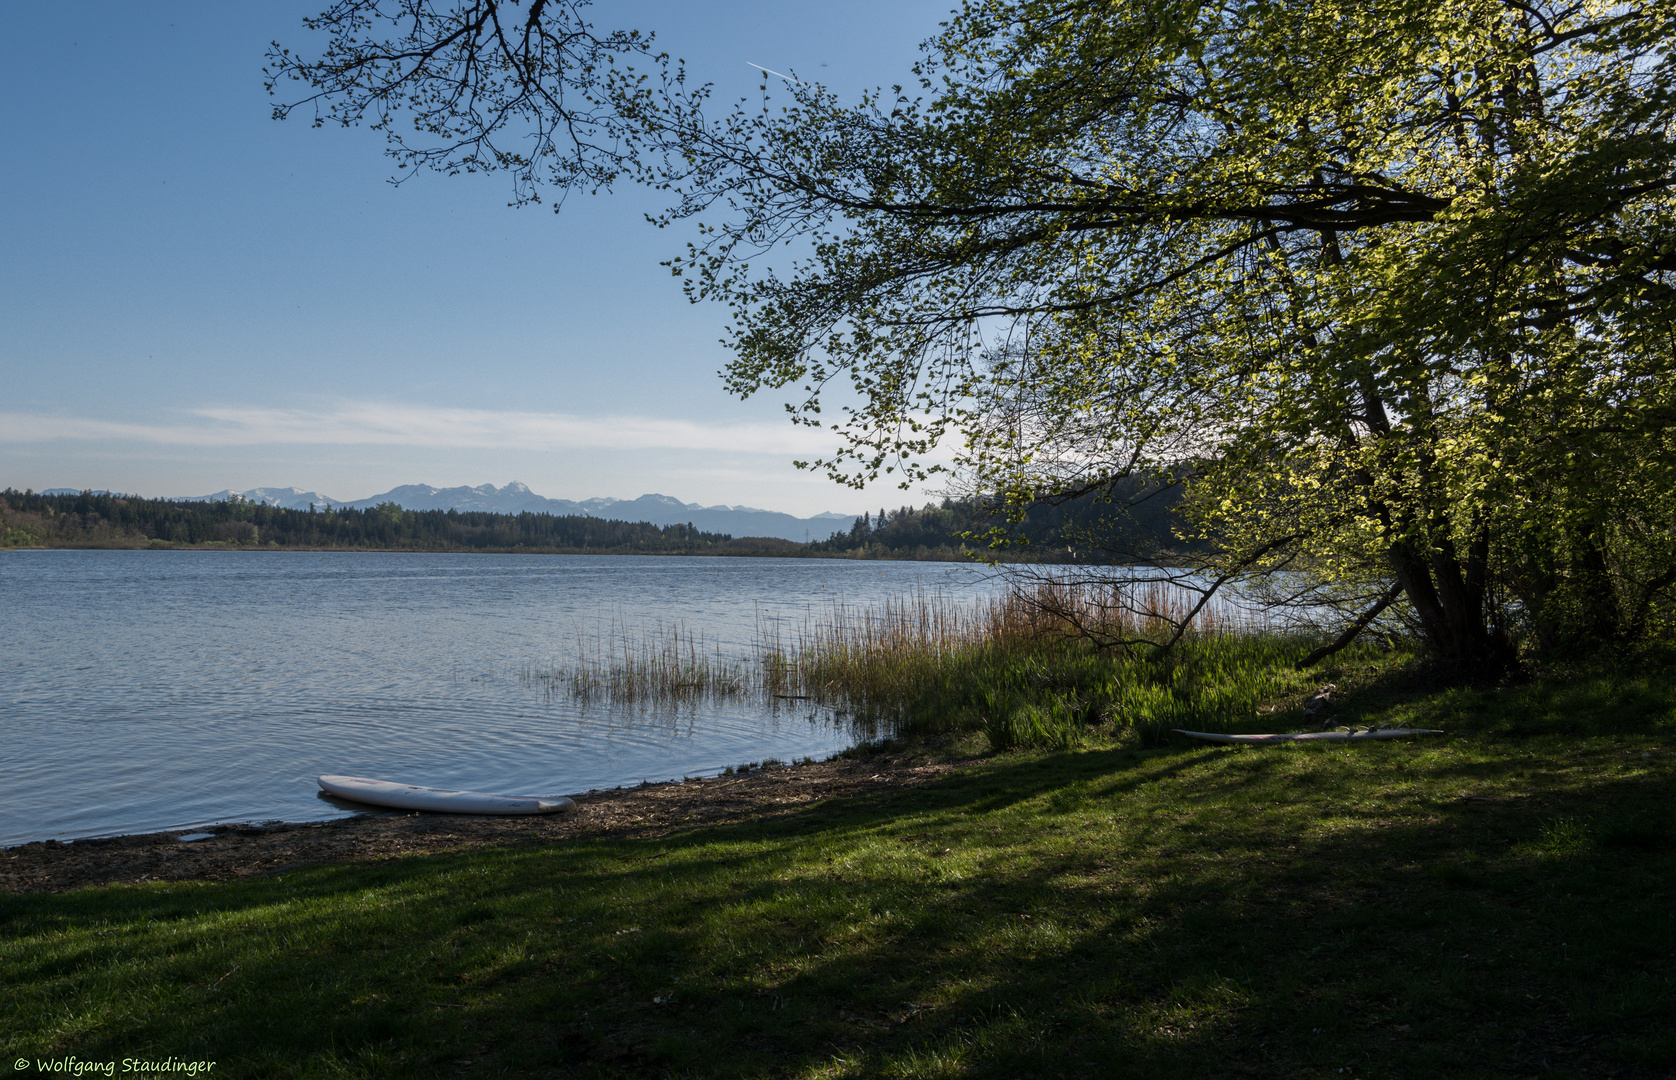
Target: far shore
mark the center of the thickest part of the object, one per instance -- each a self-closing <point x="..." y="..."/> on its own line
<point x="791" y="551"/>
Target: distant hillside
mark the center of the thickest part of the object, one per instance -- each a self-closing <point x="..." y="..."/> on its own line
<point x="1088" y="530"/>
<point x="516" y="498"/>
<point x="29" y="519"/>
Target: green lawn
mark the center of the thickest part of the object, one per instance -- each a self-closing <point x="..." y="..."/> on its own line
<point x="1497" y="902"/>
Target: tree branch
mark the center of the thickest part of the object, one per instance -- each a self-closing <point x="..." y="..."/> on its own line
<point x="1352" y="630"/>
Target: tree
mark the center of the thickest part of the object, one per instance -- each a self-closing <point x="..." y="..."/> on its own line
<point x="486" y="86"/>
<point x="1386" y="288"/>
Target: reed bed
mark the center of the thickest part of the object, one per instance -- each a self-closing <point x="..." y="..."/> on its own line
<point x="1042" y="664"/>
<point x="1038" y="665"/>
<point x="669" y="664"/>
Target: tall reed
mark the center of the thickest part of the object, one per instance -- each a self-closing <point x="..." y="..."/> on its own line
<point x="1033" y="666"/>
<point x="667" y="664"/>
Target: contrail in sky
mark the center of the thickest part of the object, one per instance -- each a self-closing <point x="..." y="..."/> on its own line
<point x="770" y="71"/>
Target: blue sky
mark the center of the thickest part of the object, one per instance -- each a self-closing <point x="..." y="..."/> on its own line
<point x="197" y="297"/>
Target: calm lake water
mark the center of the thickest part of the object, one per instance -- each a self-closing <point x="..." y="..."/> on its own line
<point x="151" y="690"/>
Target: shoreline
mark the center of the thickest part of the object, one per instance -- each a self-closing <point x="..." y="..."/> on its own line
<point x="963" y="559"/>
<point x="238" y="851"/>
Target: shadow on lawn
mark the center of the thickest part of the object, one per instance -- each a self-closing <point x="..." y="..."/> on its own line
<point x="1451" y="937"/>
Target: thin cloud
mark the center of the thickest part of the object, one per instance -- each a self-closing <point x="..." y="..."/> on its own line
<point x="364" y="424"/>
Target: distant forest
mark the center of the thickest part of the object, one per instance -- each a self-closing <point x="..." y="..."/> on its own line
<point x="1085" y="530"/>
<point x="1130" y="523"/>
<point x="98" y="520"/>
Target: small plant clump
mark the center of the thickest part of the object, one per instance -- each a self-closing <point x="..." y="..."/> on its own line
<point x="668" y="665"/>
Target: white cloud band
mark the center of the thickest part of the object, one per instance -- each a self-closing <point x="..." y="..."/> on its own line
<point x="361" y="424"/>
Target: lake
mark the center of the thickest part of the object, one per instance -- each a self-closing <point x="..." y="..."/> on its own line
<point x="150" y="690"/>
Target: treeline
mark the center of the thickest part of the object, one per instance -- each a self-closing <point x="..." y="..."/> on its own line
<point x="1124" y="528"/>
<point x="1132" y="522"/>
<point x="28" y="519"/>
<point x="930" y="533"/>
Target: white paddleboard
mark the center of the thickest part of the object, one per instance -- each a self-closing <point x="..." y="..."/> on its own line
<point x="441" y="800"/>
<point x="1310" y="736"/>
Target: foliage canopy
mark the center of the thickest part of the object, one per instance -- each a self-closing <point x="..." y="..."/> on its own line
<point x="1386" y="287"/>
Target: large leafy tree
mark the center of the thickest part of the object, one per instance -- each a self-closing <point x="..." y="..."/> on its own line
<point x="1386" y="286"/>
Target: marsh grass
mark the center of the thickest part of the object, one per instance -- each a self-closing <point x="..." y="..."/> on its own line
<point x="1022" y="667"/>
<point x="668" y="665"/>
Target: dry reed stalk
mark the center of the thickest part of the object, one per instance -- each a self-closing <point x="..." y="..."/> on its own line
<point x="668" y="664"/>
<point x="879" y="654"/>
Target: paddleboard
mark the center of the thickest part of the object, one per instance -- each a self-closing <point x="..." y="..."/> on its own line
<point x="440" y="800"/>
<point x="1310" y="736"/>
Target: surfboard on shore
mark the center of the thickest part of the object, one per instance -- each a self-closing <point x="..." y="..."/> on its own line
<point x="439" y="800"/>
<point x="1361" y="735"/>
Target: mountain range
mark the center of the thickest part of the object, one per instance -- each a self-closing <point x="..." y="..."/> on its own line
<point x="516" y="498"/>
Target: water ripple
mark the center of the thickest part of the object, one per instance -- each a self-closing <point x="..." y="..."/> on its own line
<point x="148" y="690"/>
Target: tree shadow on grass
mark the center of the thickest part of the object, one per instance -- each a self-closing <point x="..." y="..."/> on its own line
<point x="1094" y="934"/>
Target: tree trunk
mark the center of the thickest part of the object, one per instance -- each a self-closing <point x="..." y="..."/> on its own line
<point x="1452" y="616"/>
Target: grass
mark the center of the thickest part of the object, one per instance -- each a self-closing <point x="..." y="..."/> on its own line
<point x="1018" y="667"/>
<point x="1495" y="903"/>
<point x="1021" y="667"/>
